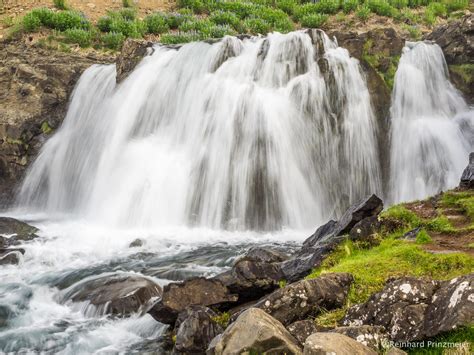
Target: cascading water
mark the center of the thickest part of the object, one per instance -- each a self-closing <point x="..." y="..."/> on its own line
<point x="432" y="128"/>
<point x="242" y="134"/>
<point x="259" y="133"/>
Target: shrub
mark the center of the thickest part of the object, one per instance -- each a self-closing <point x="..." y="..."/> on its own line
<point x="270" y="15"/>
<point x="134" y="29"/>
<point x="284" y="25"/>
<point x="287" y="6"/>
<point x="438" y="9"/>
<point x="198" y="25"/>
<point x="328" y="6"/>
<point x="80" y="36"/>
<point x="104" y="23"/>
<point x="156" y="23"/>
<point x="381" y="7"/>
<point x="304" y="10"/>
<point x="127" y="3"/>
<point x="176" y="19"/>
<point x="399" y="4"/>
<point x="314" y="20"/>
<point x="69" y="19"/>
<point x="113" y="40"/>
<point x="31" y="23"/>
<point x="363" y="13"/>
<point x="257" y="26"/>
<point x="198" y="6"/>
<point x="429" y="17"/>
<point x="60" y="4"/>
<point x="170" y="38"/>
<point x="45" y="15"/>
<point x="224" y="18"/>
<point x="241" y="9"/>
<point x="350" y="5"/>
<point x="127" y="14"/>
<point x="218" y="31"/>
<point x="454" y="5"/>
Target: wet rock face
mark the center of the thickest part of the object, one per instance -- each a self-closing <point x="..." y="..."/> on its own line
<point x="327" y="237"/>
<point x="254" y="331"/>
<point x="117" y="294"/>
<point x="467" y="178"/>
<point x="197" y="291"/>
<point x="195" y="328"/>
<point x="35" y="85"/>
<point x="10" y="256"/>
<point x="300" y="299"/>
<point x="334" y="343"/>
<point x="456" y="39"/>
<point x="413" y="309"/>
<point x="15" y="232"/>
<point x="133" y="51"/>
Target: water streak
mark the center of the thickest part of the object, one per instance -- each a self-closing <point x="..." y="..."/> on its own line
<point x="243" y="134"/>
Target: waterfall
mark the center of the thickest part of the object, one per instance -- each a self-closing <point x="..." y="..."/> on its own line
<point x="255" y="133"/>
<point x="432" y="128"/>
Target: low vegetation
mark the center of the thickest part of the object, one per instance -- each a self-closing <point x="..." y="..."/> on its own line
<point x="206" y="19"/>
<point x="394" y="256"/>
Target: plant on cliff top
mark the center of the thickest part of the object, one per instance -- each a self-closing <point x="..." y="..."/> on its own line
<point x="80" y="36"/>
<point x="60" y="4"/>
<point x="314" y="20"/>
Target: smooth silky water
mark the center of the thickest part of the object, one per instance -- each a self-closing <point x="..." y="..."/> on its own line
<point x="203" y="152"/>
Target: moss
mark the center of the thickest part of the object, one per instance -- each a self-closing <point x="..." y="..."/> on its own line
<point x="406" y="218"/>
<point x="465" y="71"/>
<point x="462" y="200"/>
<point x="222" y="319"/>
<point x="423" y="237"/>
<point x="440" y="224"/>
<point x="282" y="283"/>
<point x="330" y="318"/>
<point x="387" y="70"/>
<point x="393" y="258"/>
<point x="46" y="128"/>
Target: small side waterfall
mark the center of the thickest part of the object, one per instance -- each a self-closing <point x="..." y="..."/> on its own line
<point x="432" y="129"/>
<point x="259" y="133"/>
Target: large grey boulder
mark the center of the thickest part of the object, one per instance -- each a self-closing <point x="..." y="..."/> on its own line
<point x="328" y="237"/>
<point x="303" y="298"/>
<point x="334" y="343"/>
<point x="254" y="331"/>
<point x="302" y="329"/>
<point x="196" y="291"/>
<point x="415" y="309"/>
<point x="195" y="328"/>
<point x="119" y="294"/>
<point x="15" y="232"/>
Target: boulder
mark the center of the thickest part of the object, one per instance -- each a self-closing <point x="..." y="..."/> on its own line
<point x="197" y="291"/>
<point x="374" y="337"/>
<point x="327" y="237"/>
<point x="302" y="329"/>
<point x="254" y="331"/>
<point x="415" y="309"/>
<point x="334" y="343"/>
<point x="15" y="231"/>
<point x="467" y="178"/>
<point x="451" y="307"/>
<point x="133" y="51"/>
<point x="137" y="243"/>
<point x="456" y="39"/>
<point x="195" y="328"/>
<point x="365" y="229"/>
<point x="255" y="274"/>
<point x="10" y="256"/>
<point x="300" y="299"/>
<point x="395" y="351"/>
<point x="411" y="235"/>
<point x="119" y="294"/>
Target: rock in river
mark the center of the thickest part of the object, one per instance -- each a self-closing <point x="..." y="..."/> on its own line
<point x="118" y="294"/>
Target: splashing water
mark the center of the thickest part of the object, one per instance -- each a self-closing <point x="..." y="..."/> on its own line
<point x="432" y="129"/>
<point x="242" y="134"/>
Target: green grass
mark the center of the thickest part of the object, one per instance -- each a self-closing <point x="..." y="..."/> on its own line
<point x="222" y="319"/>
<point x="405" y="217"/>
<point x="462" y="200"/>
<point x="423" y="237"/>
<point x="440" y="224"/>
<point x="237" y="16"/>
<point x="392" y="258"/>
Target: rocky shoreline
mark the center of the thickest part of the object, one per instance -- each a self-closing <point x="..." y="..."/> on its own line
<point x="265" y="303"/>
